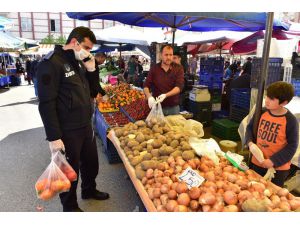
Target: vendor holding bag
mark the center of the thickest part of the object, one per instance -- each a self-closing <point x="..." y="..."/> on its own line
<point x="166" y="81"/>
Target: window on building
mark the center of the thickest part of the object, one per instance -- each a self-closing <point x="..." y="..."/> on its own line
<point x="108" y="23"/>
<point x="54" y="25"/>
<point x="26" y="24"/>
<point x="82" y="23"/>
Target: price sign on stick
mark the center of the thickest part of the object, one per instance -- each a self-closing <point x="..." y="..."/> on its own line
<point x="191" y="178"/>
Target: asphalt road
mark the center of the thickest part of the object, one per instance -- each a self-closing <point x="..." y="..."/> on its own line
<point x="25" y="155"/>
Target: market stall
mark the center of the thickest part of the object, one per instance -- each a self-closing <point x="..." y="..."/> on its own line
<point x="160" y="163"/>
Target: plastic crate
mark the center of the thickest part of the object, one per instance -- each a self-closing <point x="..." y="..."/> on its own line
<point x="212" y="84"/>
<point x="238" y="114"/>
<point x="241" y="97"/>
<point x="212" y="61"/>
<point x="223" y="114"/>
<point x="225" y="129"/>
<point x="274" y="71"/>
<point x="112" y="153"/>
<point x="296" y="84"/>
<point x="201" y="112"/>
<point x="102" y="129"/>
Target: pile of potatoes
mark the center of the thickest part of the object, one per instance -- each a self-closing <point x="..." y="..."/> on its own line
<point x="146" y="145"/>
<point x="160" y="154"/>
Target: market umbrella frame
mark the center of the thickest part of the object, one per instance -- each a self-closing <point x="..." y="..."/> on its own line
<point x="188" y="21"/>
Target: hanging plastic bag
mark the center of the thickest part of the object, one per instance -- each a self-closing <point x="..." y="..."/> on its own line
<point x="259" y="155"/>
<point x="51" y="182"/>
<point x="65" y="167"/>
<point x="156" y="116"/>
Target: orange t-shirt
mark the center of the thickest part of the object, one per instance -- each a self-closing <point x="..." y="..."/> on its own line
<point x="272" y="137"/>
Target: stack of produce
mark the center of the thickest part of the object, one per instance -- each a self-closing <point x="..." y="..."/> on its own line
<point x="119" y="95"/>
<point x="160" y="154"/>
<point x="137" y="110"/>
<point x="115" y="119"/>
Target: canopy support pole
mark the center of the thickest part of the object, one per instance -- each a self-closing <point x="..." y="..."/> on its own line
<point x="264" y="73"/>
<point x="173" y="31"/>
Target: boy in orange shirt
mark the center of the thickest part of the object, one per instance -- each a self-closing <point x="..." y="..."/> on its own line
<point x="278" y="133"/>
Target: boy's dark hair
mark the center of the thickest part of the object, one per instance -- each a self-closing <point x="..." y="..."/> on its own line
<point x="283" y="91"/>
<point x="80" y="33"/>
<point x="165" y="46"/>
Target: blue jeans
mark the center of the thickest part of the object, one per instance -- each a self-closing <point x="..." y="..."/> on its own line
<point x="35" y="86"/>
<point x="174" y="110"/>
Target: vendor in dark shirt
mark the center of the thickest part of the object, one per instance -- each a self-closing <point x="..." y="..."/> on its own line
<point x="165" y="80"/>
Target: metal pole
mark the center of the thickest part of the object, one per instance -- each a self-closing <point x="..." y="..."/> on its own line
<point x="264" y="73"/>
<point x="173" y="31"/>
<point x="173" y="38"/>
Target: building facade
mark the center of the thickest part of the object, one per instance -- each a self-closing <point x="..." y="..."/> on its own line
<point x="38" y="25"/>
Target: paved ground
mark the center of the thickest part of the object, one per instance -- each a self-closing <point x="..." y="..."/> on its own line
<point x="25" y="154"/>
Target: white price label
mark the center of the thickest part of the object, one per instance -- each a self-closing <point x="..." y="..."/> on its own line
<point x="191" y="178"/>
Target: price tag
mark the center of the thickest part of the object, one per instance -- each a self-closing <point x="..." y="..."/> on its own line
<point x="191" y="178"/>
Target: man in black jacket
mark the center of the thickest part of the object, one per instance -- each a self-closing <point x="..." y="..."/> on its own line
<point x="66" y="110"/>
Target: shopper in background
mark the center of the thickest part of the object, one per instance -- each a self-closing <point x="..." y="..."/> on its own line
<point x="165" y="80"/>
<point x="132" y="70"/>
<point x="193" y="65"/>
<point x="19" y="67"/>
<point x="177" y="58"/>
<point x="140" y="77"/>
<point x="100" y="58"/>
<point x="247" y="66"/>
<point x="33" y="70"/>
<point x="28" y="74"/>
<point x="94" y="79"/>
<point x="121" y="64"/>
<point x="277" y="134"/>
<point x="66" y="111"/>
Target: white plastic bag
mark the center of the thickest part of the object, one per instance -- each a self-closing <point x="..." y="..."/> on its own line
<point x="51" y="182"/>
<point x="207" y="147"/>
<point x="193" y="128"/>
<point x="65" y="167"/>
<point x="156" y="115"/>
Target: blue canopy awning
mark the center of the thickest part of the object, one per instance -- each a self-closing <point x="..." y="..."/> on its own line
<point x="189" y="21"/>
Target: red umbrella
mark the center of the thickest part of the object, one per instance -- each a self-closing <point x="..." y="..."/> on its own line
<point x="249" y="44"/>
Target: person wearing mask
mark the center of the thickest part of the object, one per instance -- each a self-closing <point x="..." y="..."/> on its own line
<point x="66" y="110"/>
<point x="33" y="69"/>
<point x="166" y="81"/>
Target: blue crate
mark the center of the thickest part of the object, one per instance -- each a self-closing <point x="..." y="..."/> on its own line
<point x="274" y="71"/>
<point x="240" y="97"/>
<point x="102" y="129"/>
<point x="215" y="61"/>
<point x="296" y="84"/>
<point x="112" y="153"/>
<point x="211" y="84"/>
<point x="237" y="114"/>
